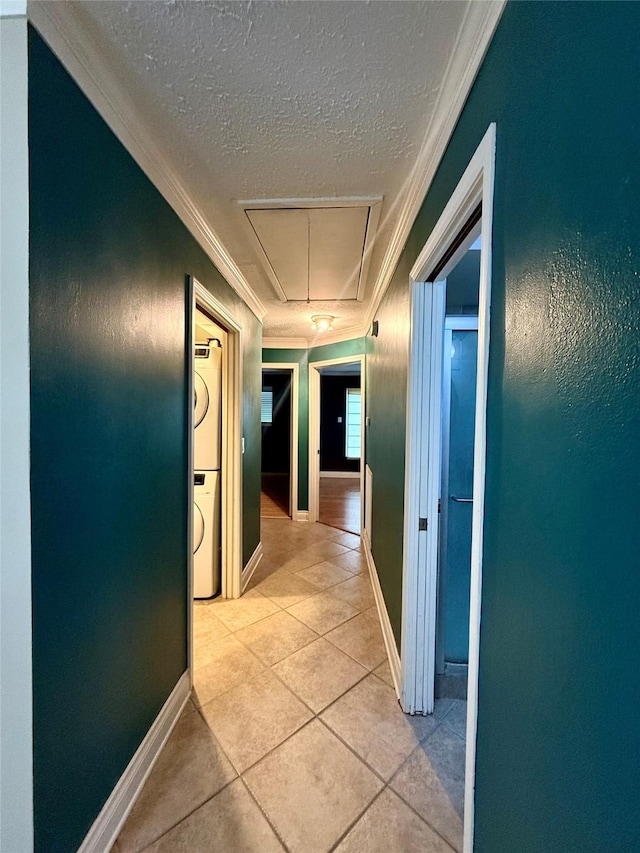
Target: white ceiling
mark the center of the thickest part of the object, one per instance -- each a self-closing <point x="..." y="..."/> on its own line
<point x="289" y="100"/>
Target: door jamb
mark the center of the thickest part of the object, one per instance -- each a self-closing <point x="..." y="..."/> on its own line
<point x="293" y="467"/>
<point x="419" y="574"/>
<point x="314" y="432"/>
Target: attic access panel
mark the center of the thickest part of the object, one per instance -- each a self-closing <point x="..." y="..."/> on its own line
<point x="315" y="253"/>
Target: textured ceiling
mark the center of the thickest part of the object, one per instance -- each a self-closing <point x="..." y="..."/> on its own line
<point x="269" y="100"/>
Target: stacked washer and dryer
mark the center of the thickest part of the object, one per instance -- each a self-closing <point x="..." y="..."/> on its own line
<point x="207" y="453"/>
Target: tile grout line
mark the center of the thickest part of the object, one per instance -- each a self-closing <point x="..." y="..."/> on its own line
<point x="423" y="819"/>
<point x="387" y="784"/>
<point x="408" y="804"/>
<point x="315" y="716"/>
<point x="358" y="819"/>
<point x="263" y="812"/>
<point x="193" y="811"/>
<point x="204" y="802"/>
<point x="240" y="777"/>
<point x="270" y="666"/>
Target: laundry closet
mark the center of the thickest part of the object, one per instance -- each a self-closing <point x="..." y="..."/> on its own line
<point x="209" y="358"/>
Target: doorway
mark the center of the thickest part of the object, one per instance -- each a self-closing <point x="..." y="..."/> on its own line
<point x="466" y="218"/>
<point x="340" y="446"/>
<point x="459" y="370"/>
<point x="210" y="323"/>
<point x="277" y="427"/>
<point x="336" y="442"/>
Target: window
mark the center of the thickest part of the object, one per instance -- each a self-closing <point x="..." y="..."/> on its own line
<point x="353" y="424"/>
<point x="266" y="406"/>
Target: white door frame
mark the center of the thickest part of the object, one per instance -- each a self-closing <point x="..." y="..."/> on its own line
<point x="16" y="701"/>
<point x="314" y="432"/>
<point x="231" y="480"/>
<point x="293" y="467"/>
<point x="422" y="478"/>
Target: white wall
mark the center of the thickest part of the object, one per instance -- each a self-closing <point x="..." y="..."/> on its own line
<point x="16" y="785"/>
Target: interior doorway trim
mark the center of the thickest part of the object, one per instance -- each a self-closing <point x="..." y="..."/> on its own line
<point x="231" y="482"/>
<point x="314" y="432"/>
<point x="293" y="450"/>
<point x="422" y="478"/>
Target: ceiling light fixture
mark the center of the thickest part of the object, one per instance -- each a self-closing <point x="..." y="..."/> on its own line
<point x="322" y="323"/>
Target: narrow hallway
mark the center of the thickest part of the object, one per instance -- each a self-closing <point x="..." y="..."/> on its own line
<point x="294" y="739"/>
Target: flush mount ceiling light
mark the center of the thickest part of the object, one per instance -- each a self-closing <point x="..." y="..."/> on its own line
<point x="322" y="323"/>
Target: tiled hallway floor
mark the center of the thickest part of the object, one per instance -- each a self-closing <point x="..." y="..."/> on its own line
<point x="294" y="739"/>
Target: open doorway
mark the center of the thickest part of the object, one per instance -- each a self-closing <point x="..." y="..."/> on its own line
<point x="276" y="419"/>
<point x="336" y="442"/>
<point x="445" y="468"/>
<point x="459" y="372"/>
<point x="340" y="446"/>
<point x="279" y="417"/>
<point x="210" y="354"/>
<point x="215" y="448"/>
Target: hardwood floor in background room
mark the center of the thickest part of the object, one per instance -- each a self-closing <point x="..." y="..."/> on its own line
<point x="340" y="503"/>
<point x="274" y="497"/>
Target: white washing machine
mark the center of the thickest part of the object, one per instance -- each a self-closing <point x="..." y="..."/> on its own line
<point x="206" y="534"/>
<point x="208" y="405"/>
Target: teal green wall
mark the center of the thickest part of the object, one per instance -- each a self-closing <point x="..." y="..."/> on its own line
<point x="385" y="403"/>
<point x="302" y="357"/>
<point x="558" y="736"/>
<point x="109" y="313"/>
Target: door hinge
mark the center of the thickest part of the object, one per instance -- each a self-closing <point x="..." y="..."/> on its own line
<point x="422" y="524"/>
<point x="439" y="504"/>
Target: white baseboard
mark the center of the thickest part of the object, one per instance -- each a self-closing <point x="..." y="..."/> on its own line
<point x="115" y="811"/>
<point x="301" y="515"/>
<point x="387" y="631"/>
<point x="342" y="475"/>
<point x="252" y="565"/>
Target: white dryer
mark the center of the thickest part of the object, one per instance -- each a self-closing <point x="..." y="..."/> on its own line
<point x="206" y="534"/>
<point x="208" y="404"/>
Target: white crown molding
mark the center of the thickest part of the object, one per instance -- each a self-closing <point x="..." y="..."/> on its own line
<point x="319" y="340"/>
<point x="62" y="29"/>
<point x="284" y="343"/>
<point x="474" y="37"/>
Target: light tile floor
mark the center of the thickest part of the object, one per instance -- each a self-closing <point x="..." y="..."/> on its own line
<point x="293" y="738"/>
